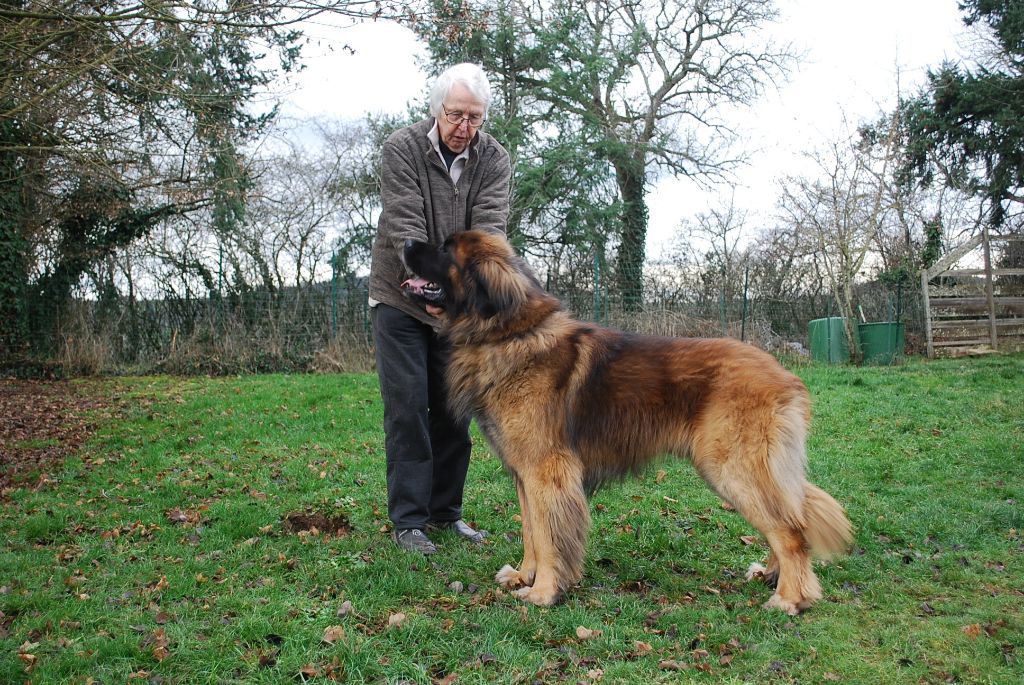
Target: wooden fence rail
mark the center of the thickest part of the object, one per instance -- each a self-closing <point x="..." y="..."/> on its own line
<point x="972" y="310"/>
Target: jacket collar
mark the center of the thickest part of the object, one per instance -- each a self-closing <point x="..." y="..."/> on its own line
<point x="429" y="125"/>
<point x="435" y="140"/>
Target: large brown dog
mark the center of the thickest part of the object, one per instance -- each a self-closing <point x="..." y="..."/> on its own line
<point x="569" y="405"/>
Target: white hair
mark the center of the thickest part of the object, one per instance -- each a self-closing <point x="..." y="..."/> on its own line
<point x="469" y="75"/>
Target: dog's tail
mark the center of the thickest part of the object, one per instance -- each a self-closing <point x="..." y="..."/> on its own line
<point x="827" y="529"/>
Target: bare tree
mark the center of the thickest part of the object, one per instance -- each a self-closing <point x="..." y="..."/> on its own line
<point x="317" y="196"/>
<point x="653" y="80"/>
<point x="842" y="210"/>
<point x="718" y="236"/>
<point x="117" y="116"/>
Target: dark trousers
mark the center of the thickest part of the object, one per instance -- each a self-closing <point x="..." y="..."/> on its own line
<point x="427" y="449"/>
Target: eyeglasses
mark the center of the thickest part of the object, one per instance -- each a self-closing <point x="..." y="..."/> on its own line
<point x="456" y="117"/>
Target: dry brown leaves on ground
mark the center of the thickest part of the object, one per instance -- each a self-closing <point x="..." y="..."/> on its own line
<point x="43" y="422"/>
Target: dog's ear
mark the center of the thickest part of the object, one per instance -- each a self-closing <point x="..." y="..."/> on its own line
<point x="500" y="287"/>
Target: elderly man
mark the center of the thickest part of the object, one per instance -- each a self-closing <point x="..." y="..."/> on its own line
<point x="438" y="176"/>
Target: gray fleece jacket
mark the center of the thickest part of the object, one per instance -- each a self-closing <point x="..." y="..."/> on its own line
<point x="421" y="202"/>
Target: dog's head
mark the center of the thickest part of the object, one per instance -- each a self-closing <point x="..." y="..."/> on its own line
<point x="472" y="274"/>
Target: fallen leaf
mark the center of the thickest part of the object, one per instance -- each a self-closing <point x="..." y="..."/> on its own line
<point x="25" y="655"/>
<point x="334" y="634"/>
<point x="345" y="609"/>
<point x="832" y="677"/>
<point x="643" y="648"/>
<point x="673" y="665"/>
<point x="586" y="633"/>
<point x="749" y="539"/>
<point x="177" y="516"/>
<point x="396" y="620"/>
<point x="660" y="476"/>
<point x="160" y="645"/>
<point x="972" y="631"/>
<point x="75" y="581"/>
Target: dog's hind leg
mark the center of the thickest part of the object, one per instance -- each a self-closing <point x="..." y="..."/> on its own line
<point x="762" y="476"/>
<point x="559" y="519"/>
<point x="509" y="577"/>
<point x="789" y="562"/>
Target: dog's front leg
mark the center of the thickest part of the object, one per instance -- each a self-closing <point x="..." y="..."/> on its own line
<point x="558" y="521"/>
<point x="509" y="577"/>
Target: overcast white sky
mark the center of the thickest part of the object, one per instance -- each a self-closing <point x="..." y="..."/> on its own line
<point x="854" y="54"/>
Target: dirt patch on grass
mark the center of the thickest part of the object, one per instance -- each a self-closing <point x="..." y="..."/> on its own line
<point x="44" y="422"/>
<point x="314" y="522"/>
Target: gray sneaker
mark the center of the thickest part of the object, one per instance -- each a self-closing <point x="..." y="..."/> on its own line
<point x="461" y="528"/>
<point x="414" y="540"/>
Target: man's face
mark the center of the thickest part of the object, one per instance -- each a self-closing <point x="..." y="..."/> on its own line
<point x="459" y="102"/>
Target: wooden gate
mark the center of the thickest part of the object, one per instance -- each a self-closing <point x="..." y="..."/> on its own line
<point x="973" y="310"/>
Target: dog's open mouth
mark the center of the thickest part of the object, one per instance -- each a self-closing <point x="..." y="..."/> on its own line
<point x="423" y="289"/>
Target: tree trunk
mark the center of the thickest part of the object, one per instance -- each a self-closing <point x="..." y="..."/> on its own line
<point x="850" y="319"/>
<point x="13" y="284"/>
<point x="14" y="248"/>
<point x="631" y="178"/>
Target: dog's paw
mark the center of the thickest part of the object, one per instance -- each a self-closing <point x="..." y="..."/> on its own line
<point x="756" y="571"/>
<point x="538" y="596"/>
<point x="777" y="602"/>
<point x="509" y="578"/>
<point x="768" y="576"/>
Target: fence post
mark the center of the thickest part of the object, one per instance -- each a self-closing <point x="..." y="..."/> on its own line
<point x="334" y="294"/>
<point x="989" y="290"/>
<point x="743" y="322"/>
<point x="217" y="315"/>
<point x="721" y="304"/>
<point x="600" y="296"/>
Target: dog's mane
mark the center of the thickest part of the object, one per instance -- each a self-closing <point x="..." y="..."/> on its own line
<point x="506" y="298"/>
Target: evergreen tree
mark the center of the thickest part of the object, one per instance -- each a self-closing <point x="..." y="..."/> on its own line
<point x="966" y="128"/>
<point x="607" y="95"/>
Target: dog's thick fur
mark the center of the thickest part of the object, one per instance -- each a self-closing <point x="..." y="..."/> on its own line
<point x="569" y="405"/>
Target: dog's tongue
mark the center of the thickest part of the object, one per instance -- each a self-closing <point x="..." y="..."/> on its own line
<point x="415" y="284"/>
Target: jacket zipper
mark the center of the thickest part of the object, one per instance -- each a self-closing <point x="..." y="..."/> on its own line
<point x="455" y="205"/>
<point x="455" y="187"/>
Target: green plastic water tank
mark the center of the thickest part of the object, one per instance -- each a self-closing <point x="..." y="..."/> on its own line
<point x="828" y="340"/>
<point x="881" y="342"/>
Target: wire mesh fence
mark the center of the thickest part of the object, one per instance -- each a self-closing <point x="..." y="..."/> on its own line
<point x="326" y="327"/>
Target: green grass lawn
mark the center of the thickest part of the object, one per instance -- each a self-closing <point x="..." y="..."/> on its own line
<point x="160" y="554"/>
